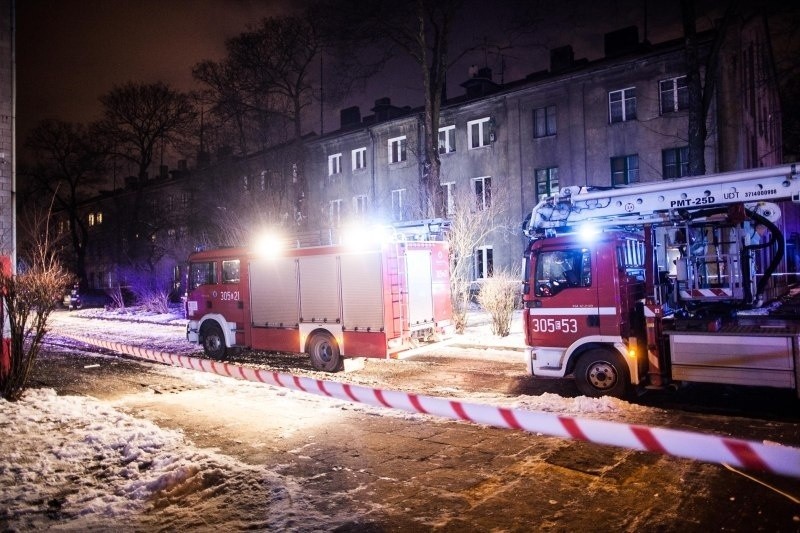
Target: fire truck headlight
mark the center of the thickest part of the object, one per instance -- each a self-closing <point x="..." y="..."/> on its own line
<point x="268" y="245"/>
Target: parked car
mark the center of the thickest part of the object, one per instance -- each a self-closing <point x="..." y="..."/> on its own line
<point x="78" y="299"/>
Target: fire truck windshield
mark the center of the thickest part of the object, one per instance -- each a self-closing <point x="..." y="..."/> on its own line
<point x="201" y="274"/>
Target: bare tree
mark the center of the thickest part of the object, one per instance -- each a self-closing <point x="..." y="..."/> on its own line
<point x="138" y="119"/>
<point x="266" y="79"/>
<point x="69" y="168"/>
<point x="423" y="31"/>
<point x="28" y="298"/>
<point x="471" y="224"/>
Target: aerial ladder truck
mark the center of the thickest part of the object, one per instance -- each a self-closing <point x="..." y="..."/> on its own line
<point x="652" y="285"/>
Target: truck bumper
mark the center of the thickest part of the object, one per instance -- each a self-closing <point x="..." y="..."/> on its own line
<point x="191" y="332"/>
<point x="546" y="362"/>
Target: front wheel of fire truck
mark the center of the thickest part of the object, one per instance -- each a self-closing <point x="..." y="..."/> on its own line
<point x="601" y="373"/>
<point x="324" y="352"/>
<point x="213" y="341"/>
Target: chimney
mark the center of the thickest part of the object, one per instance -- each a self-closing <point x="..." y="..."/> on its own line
<point x="621" y="41"/>
<point x="350" y="117"/>
<point x="561" y="58"/>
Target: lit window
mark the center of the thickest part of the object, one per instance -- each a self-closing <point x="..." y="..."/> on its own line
<point x="624" y="170"/>
<point x="334" y="164"/>
<point x="397" y="149"/>
<point x="483" y="192"/>
<point x="398" y="211"/>
<point x="544" y="121"/>
<point x="622" y="105"/>
<point x="447" y="139"/>
<point x="359" y="158"/>
<point x="91" y="219"/>
<point x="673" y="95"/>
<point x="478" y="132"/>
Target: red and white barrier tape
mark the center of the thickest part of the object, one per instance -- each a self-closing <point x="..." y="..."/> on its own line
<point x="775" y="458"/>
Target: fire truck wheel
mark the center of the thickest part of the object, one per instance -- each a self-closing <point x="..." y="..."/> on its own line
<point x="601" y="373"/>
<point x="324" y="352"/>
<point x="213" y="341"/>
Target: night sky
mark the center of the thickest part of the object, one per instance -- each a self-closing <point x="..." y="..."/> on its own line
<point x="69" y="52"/>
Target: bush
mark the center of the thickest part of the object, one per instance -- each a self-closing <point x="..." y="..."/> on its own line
<point x="155" y="301"/>
<point x="28" y="299"/>
<point x="499" y="296"/>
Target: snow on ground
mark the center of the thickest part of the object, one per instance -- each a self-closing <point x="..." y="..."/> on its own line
<point x="92" y="465"/>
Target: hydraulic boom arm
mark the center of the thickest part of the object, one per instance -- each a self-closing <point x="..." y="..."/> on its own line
<point x="667" y="200"/>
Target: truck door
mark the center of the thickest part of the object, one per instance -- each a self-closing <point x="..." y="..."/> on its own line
<point x="563" y="304"/>
<point x="231" y="296"/>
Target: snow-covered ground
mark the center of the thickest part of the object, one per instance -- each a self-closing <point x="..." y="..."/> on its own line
<point x="78" y="463"/>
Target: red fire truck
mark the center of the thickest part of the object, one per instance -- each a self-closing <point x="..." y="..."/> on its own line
<point x="653" y="284"/>
<point x="330" y="302"/>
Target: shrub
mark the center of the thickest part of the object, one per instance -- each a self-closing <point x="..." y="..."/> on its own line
<point x="499" y="296"/>
<point x="28" y="299"/>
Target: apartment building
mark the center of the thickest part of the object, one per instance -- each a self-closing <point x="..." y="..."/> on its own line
<point x="610" y="122"/>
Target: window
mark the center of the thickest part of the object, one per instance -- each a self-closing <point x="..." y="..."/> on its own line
<point x="483" y="192"/>
<point x="359" y="158"/>
<point x="91" y="219"/>
<point x="185" y="199"/>
<point x="98" y="217"/>
<point x="334" y="164"/>
<point x="397" y="149"/>
<point x="544" y="121"/>
<point x="335" y="212"/>
<point x="397" y="204"/>
<point x="201" y="274"/>
<point x="562" y="269"/>
<point x="546" y="182"/>
<point x="478" y="132"/>
<point x="447" y="139"/>
<point x="624" y="170"/>
<point x="622" y="105"/>
<point x="360" y="205"/>
<point x="673" y="95"/>
<point x="170" y="202"/>
<point x="484" y="262"/>
<point x="675" y="162"/>
<point x="230" y="271"/>
<point x="448" y="199"/>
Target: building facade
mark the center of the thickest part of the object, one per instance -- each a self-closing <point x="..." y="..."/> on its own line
<point x="616" y="121"/>
<point x="7" y="132"/>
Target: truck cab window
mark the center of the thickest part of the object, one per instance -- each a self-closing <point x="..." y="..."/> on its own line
<point x="562" y="269"/>
<point x="230" y="271"/>
<point x="201" y="274"/>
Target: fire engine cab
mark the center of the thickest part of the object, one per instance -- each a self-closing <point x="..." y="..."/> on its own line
<point x="331" y="302"/>
<point x="653" y="284"/>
